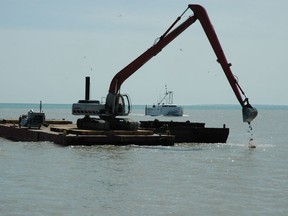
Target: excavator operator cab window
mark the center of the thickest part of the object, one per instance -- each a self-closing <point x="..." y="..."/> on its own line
<point x="120" y="104"/>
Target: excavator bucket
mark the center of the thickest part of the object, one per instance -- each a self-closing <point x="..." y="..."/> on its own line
<point x="249" y="113"/>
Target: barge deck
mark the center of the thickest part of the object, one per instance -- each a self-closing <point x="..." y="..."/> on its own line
<point x="156" y="132"/>
<point x="65" y="133"/>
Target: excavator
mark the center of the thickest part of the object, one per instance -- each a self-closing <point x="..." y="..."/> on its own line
<point x="118" y="104"/>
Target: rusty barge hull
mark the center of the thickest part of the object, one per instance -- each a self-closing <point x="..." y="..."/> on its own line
<point x="188" y="132"/>
<point x="165" y="133"/>
<point x="68" y="134"/>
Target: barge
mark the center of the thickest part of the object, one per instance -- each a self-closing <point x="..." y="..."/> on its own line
<point x="65" y="133"/>
<point x="189" y="132"/>
<point x="150" y="133"/>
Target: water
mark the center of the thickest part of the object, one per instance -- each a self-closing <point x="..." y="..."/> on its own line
<point x="41" y="178"/>
<point x="250" y="132"/>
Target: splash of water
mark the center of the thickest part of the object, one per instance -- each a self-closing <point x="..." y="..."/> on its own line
<point x="250" y="132"/>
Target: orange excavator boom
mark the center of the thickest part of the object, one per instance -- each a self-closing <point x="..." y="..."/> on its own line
<point x="249" y="113"/>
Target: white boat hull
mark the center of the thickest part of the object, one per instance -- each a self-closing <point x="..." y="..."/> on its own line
<point x="165" y="110"/>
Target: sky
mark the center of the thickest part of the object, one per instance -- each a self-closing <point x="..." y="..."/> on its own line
<point x="47" y="48"/>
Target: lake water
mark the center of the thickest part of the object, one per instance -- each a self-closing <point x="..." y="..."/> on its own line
<point x="41" y="178"/>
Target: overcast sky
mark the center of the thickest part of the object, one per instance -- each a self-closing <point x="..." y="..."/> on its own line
<point x="48" y="47"/>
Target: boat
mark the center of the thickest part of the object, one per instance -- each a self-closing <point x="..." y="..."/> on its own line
<point x="65" y="133"/>
<point x="165" y="106"/>
<point x="32" y="119"/>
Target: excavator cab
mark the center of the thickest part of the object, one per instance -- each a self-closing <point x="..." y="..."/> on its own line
<point x="118" y="104"/>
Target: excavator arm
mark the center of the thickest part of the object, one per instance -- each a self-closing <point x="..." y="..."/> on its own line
<point x="121" y="76"/>
<point x="249" y="113"/>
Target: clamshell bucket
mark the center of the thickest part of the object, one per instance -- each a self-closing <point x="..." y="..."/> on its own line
<point x="249" y="113"/>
